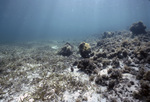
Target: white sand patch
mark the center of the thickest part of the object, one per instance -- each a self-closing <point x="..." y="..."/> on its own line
<point x="135" y="68"/>
<point x="24" y="93"/>
<point x="48" y="74"/>
<point x="32" y="76"/>
<point x="91" y="96"/>
<point x="26" y="88"/>
<point x="33" y="65"/>
<point x="104" y="71"/>
<point x="69" y="97"/>
<point x="55" y="47"/>
<point x="91" y="93"/>
<point x="131" y="77"/>
<point x="1" y="56"/>
<point x="77" y="74"/>
<point x="121" y="64"/>
<point x="28" y="66"/>
<point x="127" y="75"/>
<point x="100" y="50"/>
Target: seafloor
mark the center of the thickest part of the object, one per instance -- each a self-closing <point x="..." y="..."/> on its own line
<point x="118" y="70"/>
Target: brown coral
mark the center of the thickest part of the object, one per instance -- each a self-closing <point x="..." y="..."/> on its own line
<point x="85" y="50"/>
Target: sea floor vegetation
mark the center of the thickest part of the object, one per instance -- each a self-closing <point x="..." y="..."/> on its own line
<point x="117" y="69"/>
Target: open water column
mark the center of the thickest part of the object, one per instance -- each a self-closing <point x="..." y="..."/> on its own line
<point x="69" y="18"/>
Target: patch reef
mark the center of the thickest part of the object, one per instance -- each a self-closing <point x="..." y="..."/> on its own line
<point x="112" y="67"/>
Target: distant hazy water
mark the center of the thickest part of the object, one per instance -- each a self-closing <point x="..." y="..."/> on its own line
<point x="40" y="19"/>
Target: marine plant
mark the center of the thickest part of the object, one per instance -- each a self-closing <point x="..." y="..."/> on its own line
<point x="53" y="87"/>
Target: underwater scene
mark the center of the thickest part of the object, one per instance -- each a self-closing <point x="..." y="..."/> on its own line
<point x="74" y="50"/>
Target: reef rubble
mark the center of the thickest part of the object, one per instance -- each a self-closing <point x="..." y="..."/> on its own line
<point x="114" y="67"/>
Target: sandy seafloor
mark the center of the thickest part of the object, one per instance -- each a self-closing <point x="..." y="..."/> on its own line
<point x="34" y="72"/>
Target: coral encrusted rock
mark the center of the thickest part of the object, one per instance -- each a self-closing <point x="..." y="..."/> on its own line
<point x="138" y="28"/>
<point x="144" y="54"/>
<point x="85" y="50"/>
<point x="66" y="50"/>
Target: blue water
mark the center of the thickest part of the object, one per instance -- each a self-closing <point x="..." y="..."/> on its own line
<point x="49" y="19"/>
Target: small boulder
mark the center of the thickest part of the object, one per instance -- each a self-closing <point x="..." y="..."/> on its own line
<point x="144" y="54"/>
<point x="138" y="28"/>
<point x="85" y="50"/>
<point x="66" y="50"/>
<point x="86" y="65"/>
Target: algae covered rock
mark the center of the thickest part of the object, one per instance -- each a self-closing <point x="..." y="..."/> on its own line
<point x="107" y="35"/>
<point x="116" y="74"/>
<point x="101" y="80"/>
<point x="66" y="50"/>
<point x="138" y="28"/>
<point x="144" y="55"/>
<point x="85" y="50"/>
<point x="144" y="91"/>
<point x="147" y="75"/>
<point x="86" y="65"/>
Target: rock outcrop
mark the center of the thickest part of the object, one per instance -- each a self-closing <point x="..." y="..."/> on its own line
<point x="138" y="28"/>
<point x="66" y="50"/>
<point x="85" y="50"/>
